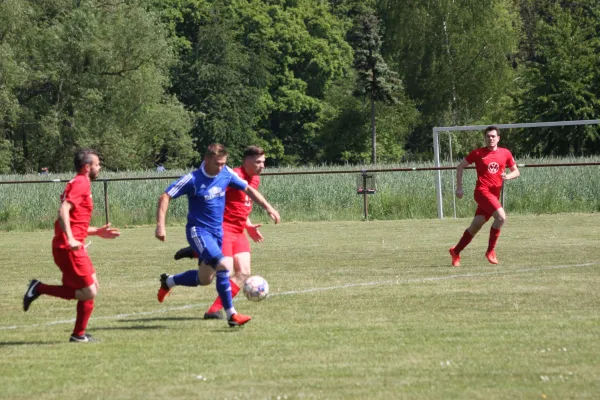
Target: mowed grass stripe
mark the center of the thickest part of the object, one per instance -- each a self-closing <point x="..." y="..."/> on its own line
<point x="314" y="290"/>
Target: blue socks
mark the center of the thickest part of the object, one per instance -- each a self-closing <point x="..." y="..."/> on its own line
<point x="187" y="278"/>
<point x="224" y="289"/>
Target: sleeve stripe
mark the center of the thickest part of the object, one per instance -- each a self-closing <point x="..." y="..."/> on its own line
<point x="175" y="189"/>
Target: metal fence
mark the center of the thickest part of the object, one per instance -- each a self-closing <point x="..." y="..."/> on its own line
<point x="365" y="179"/>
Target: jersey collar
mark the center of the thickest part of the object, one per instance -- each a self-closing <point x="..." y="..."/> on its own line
<point x="204" y="171"/>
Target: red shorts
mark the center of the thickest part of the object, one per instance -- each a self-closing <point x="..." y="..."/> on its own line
<point x="76" y="267"/>
<point x="487" y="203"/>
<point x="234" y="243"/>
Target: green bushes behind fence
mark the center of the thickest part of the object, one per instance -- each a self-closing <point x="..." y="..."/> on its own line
<point x="328" y="197"/>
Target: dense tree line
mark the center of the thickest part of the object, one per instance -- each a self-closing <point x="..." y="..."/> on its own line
<point x="150" y="82"/>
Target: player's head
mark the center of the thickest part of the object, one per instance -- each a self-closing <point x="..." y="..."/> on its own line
<point x="87" y="162"/>
<point x="254" y="160"/>
<point x="215" y="159"/>
<point x="492" y="137"/>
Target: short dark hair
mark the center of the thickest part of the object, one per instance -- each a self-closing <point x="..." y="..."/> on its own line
<point x="253" y="151"/>
<point x="491" y="128"/>
<point x="83" y="157"/>
<point x="216" y="149"/>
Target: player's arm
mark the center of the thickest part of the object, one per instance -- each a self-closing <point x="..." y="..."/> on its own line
<point x="261" y="201"/>
<point x="161" y="215"/>
<point x="253" y="231"/>
<point x="459" y="177"/>
<point x="514" y="173"/>
<point x="64" y="219"/>
<point x="105" y="231"/>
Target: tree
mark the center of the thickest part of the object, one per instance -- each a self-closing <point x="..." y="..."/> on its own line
<point x="454" y="58"/>
<point x="95" y="76"/>
<point x="562" y="80"/>
<point x="375" y="80"/>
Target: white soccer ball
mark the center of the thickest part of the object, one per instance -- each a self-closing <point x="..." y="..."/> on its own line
<point x="256" y="288"/>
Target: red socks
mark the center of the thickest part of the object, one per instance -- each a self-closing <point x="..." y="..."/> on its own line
<point x="463" y="242"/>
<point x="84" y="312"/>
<point x="64" y="292"/>
<point x="494" y="235"/>
<point x="217" y="305"/>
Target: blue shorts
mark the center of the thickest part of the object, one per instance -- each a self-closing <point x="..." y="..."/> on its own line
<point x="206" y="244"/>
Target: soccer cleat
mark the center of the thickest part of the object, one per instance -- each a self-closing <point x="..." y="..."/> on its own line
<point x="31" y="294"/>
<point x="186" y="252"/>
<point x="238" y="320"/>
<point x="85" y="338"/>
<point x="455" y="257"/>
<point x="164" y="290"/>
<point x="213" y="315"/>
<point x="491" y="256"/>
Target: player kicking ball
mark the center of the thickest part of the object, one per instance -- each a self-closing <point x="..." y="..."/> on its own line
<point x="238" y="207"/>
<point x="491" y="163"/>
<point x="205" y="189"/>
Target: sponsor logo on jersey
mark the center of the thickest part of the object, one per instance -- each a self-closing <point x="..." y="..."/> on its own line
<point x="493" y="167"/>
<point x="214" y="192"/>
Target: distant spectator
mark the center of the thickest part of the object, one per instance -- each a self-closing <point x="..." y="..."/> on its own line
<point x="45" y="171"/>
<point x="160" y="168"/>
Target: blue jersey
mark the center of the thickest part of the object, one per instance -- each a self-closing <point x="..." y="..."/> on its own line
<point x="206" y="196"/>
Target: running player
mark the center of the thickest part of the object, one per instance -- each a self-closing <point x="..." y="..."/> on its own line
<point x="491" y="163"/>
<point x="70" y="254"/>
<point x="205" y="189"/>
<point x="238" y="207"/>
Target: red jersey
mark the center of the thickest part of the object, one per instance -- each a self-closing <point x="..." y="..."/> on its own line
<point x="238" y="204"/>
<point x="490" y="164"/>
<point x="78" y="192"/>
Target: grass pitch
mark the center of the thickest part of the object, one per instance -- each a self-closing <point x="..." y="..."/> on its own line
<point x="357" y="310"/>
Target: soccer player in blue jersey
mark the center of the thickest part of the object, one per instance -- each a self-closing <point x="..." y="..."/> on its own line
<point x="205" y="189"/>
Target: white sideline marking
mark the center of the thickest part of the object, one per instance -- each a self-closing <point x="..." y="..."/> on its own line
<point x="312" y="290"/>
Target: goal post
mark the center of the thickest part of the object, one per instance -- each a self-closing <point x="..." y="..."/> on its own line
<point x="436" y="145"/>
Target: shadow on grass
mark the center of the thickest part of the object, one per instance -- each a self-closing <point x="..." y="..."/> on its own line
<point x="26" y="343"/>
<point x="162" y="319"/>
<point x="132" y="327"/>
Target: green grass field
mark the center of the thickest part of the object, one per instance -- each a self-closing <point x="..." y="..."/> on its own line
<point x="357" y="310"/>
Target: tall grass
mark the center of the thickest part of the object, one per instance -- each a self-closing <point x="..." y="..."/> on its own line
<point x="329" y="197"/>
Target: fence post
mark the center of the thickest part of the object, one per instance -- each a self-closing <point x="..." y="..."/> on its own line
<point x="365" y="195"/>
<point x="106" y="199"/>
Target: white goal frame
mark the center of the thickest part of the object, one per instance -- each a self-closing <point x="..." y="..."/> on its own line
<point x="436" y="145"/>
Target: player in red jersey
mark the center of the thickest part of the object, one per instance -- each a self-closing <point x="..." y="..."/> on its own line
<point x="491" y="163"/>
<point x="70" y="255"/>
<point x="238" y="207"/>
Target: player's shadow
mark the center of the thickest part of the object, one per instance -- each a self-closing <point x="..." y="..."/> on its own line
<point x="154" y="319"/>
<point x="130" y="327"/>
<point x="27" y="343"/>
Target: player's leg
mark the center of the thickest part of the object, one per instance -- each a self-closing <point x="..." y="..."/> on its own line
<point x="478" y="221"/>
<point x="224" y="289"/>
<point x="79" y="282"/>
<point x="499" y="220"/>
<point x="235" y="246"/>
<point x="37" y="288"/>
<point x="85" y="307"/>
<point x="197" y="239"/>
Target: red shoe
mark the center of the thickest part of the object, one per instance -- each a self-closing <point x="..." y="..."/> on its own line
<point x="164" y="290"/>
<point x="455" y="257"/>
<point x="491" y="256"/>
<point x="238" y="320"/>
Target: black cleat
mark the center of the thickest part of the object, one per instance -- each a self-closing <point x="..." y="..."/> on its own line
<point x="186" y="252"/>
<point x="164" y="289"/>
<point x="214" y="315"/>
<point x="31" y="294"/>
<point x="85" y="338"/>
